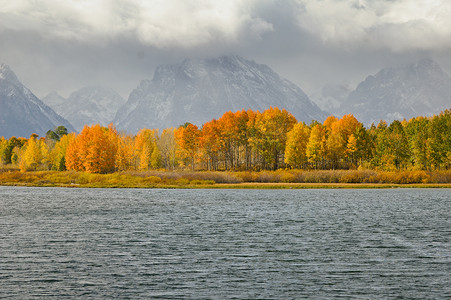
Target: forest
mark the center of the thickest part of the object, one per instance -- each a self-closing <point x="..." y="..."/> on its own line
<point x="241" y="141"/>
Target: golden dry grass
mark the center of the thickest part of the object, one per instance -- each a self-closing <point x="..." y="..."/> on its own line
<point x="280" y="179"/>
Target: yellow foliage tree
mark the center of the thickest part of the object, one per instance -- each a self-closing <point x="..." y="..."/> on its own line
<point x="297" y="140"/>
<point x="351" y="147"/>
<point x="155" y="158"/>
<point x="58" y="153"/>
<point x="273" y="125"/>
<point x="35" y="154"/>
<point x="168" y="148"/>
<point x="144" y="156"/>
<point x="316" y="146"/>
<point x="145" y="143"/>
<point x="125" y="158"/>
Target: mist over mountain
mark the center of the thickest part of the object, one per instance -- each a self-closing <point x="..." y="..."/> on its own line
<point x="55" y="101"/>
<point x="332" y="96"/>
<point x="86" y="106"/>
<point x="21" y="112"/>
<point x="197" y="91"/>
<point x="396" y="93"/>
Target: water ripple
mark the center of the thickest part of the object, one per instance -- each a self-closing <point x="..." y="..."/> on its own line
<point x="202" y="244"/>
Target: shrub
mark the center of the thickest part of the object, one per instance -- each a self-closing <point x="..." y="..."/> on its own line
<point x="268" y="176"/>
<point x="182" y="181"/>
<point x="201" y="182"/>
<point x="152" y="180"/>
<point x="247" y="176"/>
<point x="441" y="176"/>
<point x="287" y="177"/>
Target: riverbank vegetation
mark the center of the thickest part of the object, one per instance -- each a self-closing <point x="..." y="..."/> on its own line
<point x="218" y="179"/>
<point x="241" y="147"/>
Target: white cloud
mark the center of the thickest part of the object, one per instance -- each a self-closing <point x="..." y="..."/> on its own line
<point x="160" y="23"/>
<point x="397" y="25"/>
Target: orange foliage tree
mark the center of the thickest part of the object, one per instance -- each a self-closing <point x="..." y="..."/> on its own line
<point x="243" y="140"/>
<point x="187" y="138"/>
<point x="228" y="124"/>
<point x="210" y="143"/>
<point x="93" y="150"/>
<point x="338" y="138"/>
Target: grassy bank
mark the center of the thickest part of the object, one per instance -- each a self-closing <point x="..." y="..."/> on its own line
<point x="282" y="179"/>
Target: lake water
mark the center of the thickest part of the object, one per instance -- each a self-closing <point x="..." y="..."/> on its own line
<point x="220" y="244"/>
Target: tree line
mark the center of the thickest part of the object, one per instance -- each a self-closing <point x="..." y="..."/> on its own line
<point x="244" y="140"/>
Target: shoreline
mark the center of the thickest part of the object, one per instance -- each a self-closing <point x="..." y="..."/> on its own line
<point x="251" y="185"/>
<point x="244" y="185"/>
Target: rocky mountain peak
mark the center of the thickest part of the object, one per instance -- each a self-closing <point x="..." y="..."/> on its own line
<point x="198" y="90"/>
<point x="8" y="75"/>
<point x="21" y="112"/>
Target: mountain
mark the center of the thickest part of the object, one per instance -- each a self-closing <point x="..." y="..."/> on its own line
<point x="21" y="112"/>
<point x="88" y="105"/>
<point x="55" y="101"/>
<point x="197" y="91"/>
<point x="417" y="89"/>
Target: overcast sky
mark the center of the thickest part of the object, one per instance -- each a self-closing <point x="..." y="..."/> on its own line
<point x="63" y="45"/>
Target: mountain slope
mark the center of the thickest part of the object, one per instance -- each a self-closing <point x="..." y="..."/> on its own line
<point x="418" y="89"/>
<point x="199" y="90"/>
<point x="55" y="101"/>
<point x="88" y="105"/>
<point x="21" y="112"/>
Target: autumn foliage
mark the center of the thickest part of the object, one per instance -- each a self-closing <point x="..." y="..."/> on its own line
<point x="93" y="150"/>
<point x="243" y="141"/>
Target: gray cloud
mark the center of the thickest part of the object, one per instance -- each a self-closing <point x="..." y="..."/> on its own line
<point x="63" y="45"/>
<point x="397" y="25"/>
<point x="158" y="23"/>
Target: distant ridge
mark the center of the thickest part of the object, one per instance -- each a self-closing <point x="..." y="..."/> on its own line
<point x="86" y="106"/>
<point x="21" y="112"/>
<point x="417" y="89"/>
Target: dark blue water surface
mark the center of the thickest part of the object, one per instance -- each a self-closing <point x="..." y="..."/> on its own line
<point x="203" y="244"/>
